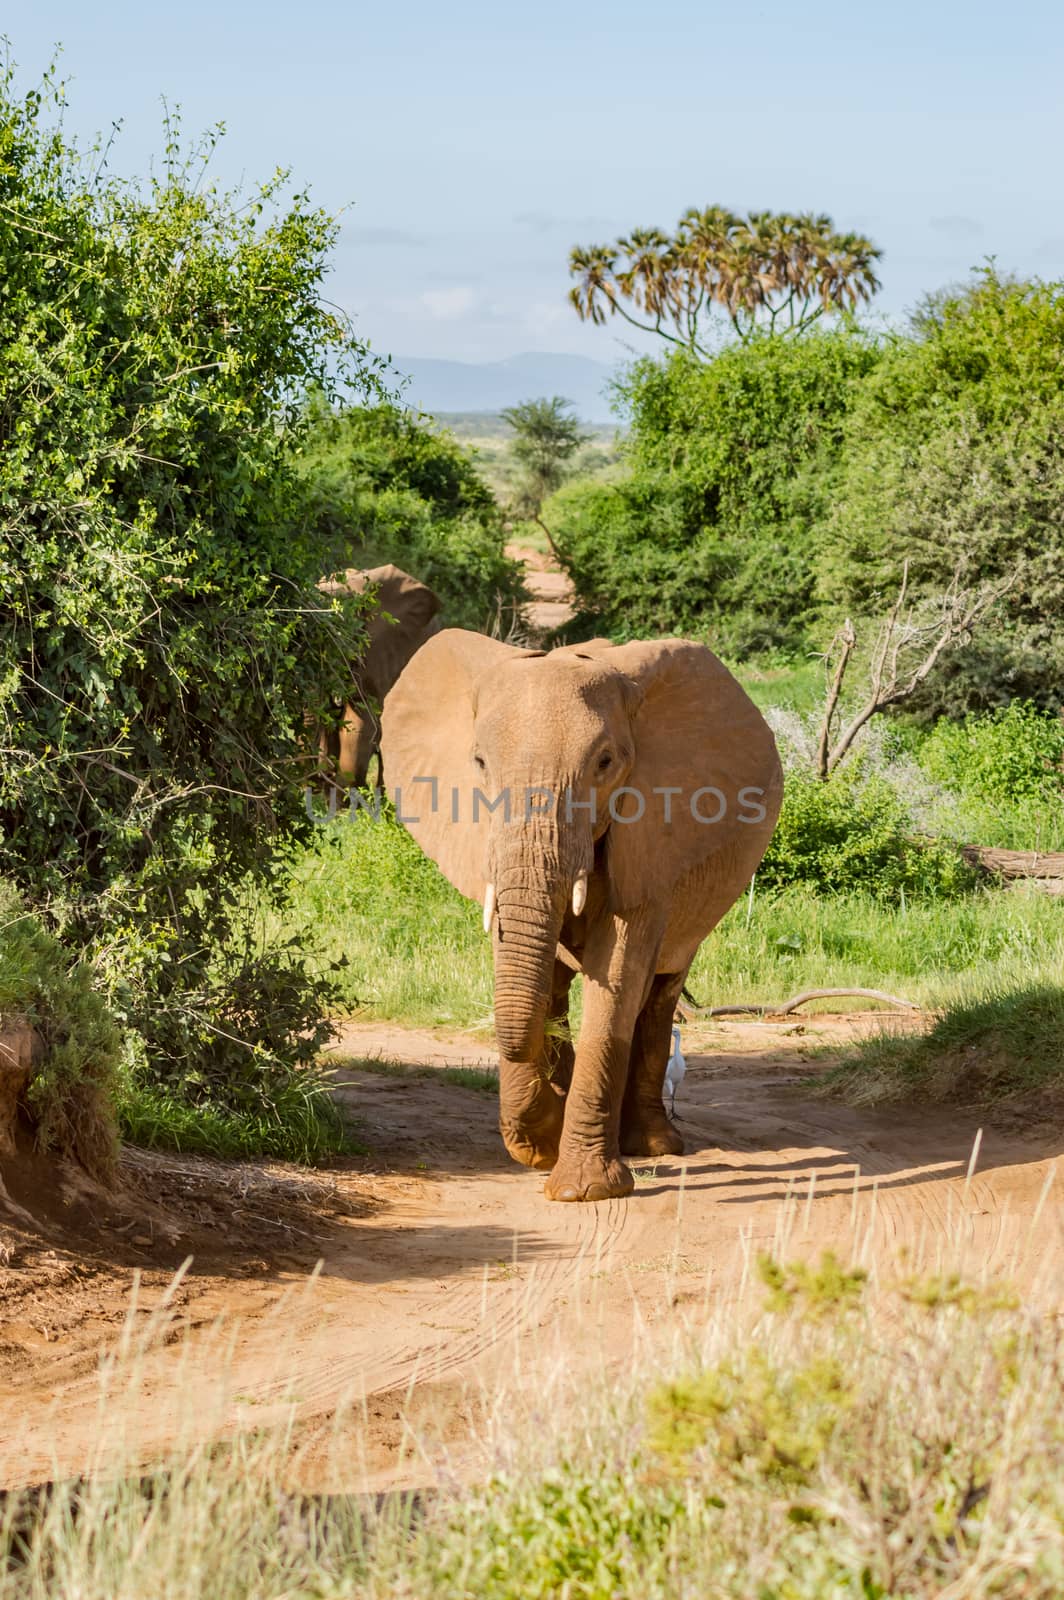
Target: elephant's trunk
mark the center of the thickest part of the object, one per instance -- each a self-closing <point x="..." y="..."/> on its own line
<point x="532" y="888"/>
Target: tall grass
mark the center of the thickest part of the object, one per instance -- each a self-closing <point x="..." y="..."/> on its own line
<point x="929" y="951"/>
<point x="413" y="948"/>
<point x="834" y="1440"/>
<point x="303" y="1123"/>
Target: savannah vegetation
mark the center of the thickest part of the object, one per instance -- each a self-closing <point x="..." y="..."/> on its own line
<point x="829" y="1436"/>
<point x="184" y="467"/>
<point x="180" y="466"/>
<point x="489" y="438"/>
<point x="546" y="437"/>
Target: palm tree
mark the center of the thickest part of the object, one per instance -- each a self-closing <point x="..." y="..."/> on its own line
<point x="771" y="272"/>
<point x="594" y="270"/>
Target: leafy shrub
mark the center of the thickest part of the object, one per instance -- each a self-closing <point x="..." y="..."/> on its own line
<point x="710" y="529"/>
<point x="72" y="1089"/>
<point x="1014" y="753"/>
<point x="388" y="486"/>
<point x="160" y="634"/>
<point x="854" y="832"/>
<point x="952" y="457"/>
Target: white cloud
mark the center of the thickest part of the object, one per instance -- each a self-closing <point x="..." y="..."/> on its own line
<point x="448" y="305"/>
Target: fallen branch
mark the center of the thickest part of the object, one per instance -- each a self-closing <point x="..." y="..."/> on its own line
<point x="688" y="1009"/>
<point x="1015" y="864"/>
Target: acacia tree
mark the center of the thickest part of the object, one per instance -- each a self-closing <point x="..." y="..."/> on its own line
<point x="766" y="271"/>
<point x="546" y="437"/>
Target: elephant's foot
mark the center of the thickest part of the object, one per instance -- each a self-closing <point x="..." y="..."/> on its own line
<point x="589" y="1176"/>
<point x="531" y="1114"/>
<point x="648" y="1132"/>
<point x="538" y="1149"/>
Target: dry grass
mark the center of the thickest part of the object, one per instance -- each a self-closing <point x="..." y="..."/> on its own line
<point x="826" y="1433"/>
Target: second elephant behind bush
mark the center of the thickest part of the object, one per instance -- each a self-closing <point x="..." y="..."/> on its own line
<point x="406" y="615"/>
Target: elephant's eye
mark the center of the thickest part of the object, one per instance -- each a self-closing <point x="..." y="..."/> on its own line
<point x="481" y="763"/>
<point x="605" y="761"/>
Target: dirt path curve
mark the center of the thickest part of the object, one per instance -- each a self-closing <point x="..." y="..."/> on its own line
<point x="552" y="593"/>
<point x="452" y="1259"/>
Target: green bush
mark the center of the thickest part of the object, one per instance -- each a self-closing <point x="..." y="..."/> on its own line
<point x="72" y="1090"/>
<point x="1001" y="775"/>
<point x="710" y="530"/>
<point x="388" y="486"/>
<point x="1012" y="754"/>
<point x="161" y="637"/>
<point x="854" y="832"/>
<point x="953" y="459"/>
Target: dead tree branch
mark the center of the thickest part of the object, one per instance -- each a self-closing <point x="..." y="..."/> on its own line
<point x="904" y="655"/>
<point x="783" y="1008"/>
<point x="845" y="640"/>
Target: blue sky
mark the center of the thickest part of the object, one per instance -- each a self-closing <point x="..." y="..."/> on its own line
<point x="473" y="144"/>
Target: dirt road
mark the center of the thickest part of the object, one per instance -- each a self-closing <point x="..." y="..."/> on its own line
<point x="551" y="605"/>
<point x="441" y="1263"/>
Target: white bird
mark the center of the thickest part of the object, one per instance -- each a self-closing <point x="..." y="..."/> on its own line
<point x="674" y="1072"/>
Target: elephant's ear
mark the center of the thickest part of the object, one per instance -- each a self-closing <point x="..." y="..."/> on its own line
<point x="427" y="735"/>
<point x="695" y="729"/>
<point x="401" y="624"/>
<point x="411" y="602"/>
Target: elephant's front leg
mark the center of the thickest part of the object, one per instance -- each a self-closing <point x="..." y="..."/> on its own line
<point x="617" y="969"/>
<point x="532" y="1094"/>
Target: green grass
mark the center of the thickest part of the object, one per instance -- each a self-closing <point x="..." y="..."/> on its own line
<point x="483" y="1080"/>
<point x="414" y="949"/>
<point x="928" y="951"/>
<point x="984" y="1047"/>
<point x="416" y="952"/>
<point x="305" y="1125"/>
<point x="835" y="1441"/>
<point x="790" y="686"/>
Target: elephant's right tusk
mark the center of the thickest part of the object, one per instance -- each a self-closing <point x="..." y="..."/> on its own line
<point x="489" y="907"/>
<point x="579" y="893"/>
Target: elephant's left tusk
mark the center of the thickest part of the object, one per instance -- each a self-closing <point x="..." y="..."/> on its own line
<point x="579" y="893"/>
<point x="489" y="907"/>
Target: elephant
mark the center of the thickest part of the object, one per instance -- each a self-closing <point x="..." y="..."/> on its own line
<point x="346" y="751"/>
<point x="606" y="804"/>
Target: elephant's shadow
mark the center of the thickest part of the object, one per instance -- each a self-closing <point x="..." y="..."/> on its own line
<point x="752" y="1139"/>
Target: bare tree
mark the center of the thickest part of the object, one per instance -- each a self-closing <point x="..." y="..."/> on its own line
<point x="908" y="647"/>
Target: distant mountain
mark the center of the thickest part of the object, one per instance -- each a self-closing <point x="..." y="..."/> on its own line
<point x="490" y="385"/>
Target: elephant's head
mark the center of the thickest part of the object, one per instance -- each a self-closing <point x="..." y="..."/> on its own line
<point x="604" y="765"/>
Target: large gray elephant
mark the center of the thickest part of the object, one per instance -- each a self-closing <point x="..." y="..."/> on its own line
<point x="606" y="804"/>
<point x="406" y="616"/>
